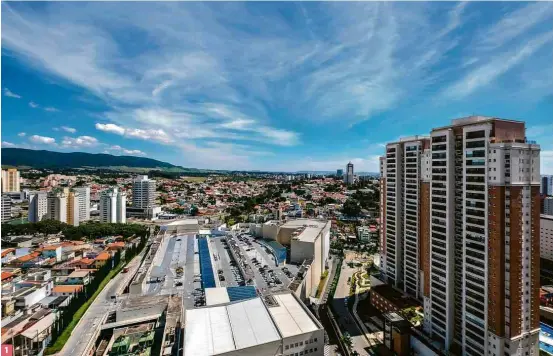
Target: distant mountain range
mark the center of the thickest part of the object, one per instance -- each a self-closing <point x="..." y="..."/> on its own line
<point x="20" y="157"/>
<point x="25" y="158"/>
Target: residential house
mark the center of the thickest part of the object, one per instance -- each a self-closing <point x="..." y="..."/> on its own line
<point x="53" y="251"/>
<point x="101" y="259"/>
<point x="67" y="289"/>
<point x="116" y="246"/>
<point x="8" y="255"/>
<point x="79" y="277"/>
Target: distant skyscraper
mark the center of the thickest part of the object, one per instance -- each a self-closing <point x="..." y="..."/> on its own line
<point x="340" y="172"/>
<point x="57" y="206"/>
<point x="84" y="202"/>
<point x="546" y="186"/>
<point x="6" y="207"/>
<point x="349" y="174"/>
<point x="113" y="206"/>
<point x="10" y="180"/>
<point x="143" y="192"/>
<point x="38" y="206"/>
<point x="460" y="216"/>
<point x="548" y="206"/>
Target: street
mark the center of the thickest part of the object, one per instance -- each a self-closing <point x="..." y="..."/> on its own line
<point x="342" y="313"/>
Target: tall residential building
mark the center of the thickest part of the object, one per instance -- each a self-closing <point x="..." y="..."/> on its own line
<point x="348" y="178"/>
<point x="84" y="202"/>
<point x="546" y="237"/>
<point x="143" y="192"/>
<point x="546" y="186"/>
<point x="113" y="206"/>
<point x="548" y="206"/>
<point x="460" y="219"/>
<point x="73" y="209"/>
<point x="10" y="180"/>
<point x="38" y="206"/>
<point x="57" y="206"/>
<point x="6" y="207"/>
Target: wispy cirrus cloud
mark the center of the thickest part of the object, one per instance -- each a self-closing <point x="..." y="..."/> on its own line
<point x="11" y="94"/>
<point x="301" y="67"/>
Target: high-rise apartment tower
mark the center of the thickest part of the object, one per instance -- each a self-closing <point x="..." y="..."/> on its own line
<point x="460" y="218"/>
<point x="10" y="180"/>
<point x="143" y="192"/>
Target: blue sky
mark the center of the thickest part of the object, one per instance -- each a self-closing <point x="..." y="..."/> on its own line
<point x="270" y="86"/>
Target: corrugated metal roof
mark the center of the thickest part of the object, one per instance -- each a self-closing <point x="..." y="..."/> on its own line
<point x="290" y="318"/>
<point x="222" y="329"/>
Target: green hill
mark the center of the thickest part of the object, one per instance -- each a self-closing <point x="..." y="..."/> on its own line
<point x="19" y="157"/>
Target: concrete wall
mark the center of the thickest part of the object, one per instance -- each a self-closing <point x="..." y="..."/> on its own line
<point x="304" y="342"/>
<point x="419" y="348"/>
<point x="270" y="232"/>
<point x="285" y="235"/>
<point x="301" y="250"/>
<point x="270" y="348"/>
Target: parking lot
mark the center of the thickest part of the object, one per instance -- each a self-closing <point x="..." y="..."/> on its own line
<point x="267" y="276"/>
<point x="227" y="271"/>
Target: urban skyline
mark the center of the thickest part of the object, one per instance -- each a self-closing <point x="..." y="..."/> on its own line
<point x="305" y="96"/>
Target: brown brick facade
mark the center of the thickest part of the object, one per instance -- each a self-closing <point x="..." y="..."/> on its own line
<point x="535" y="258"/>
<point x="496" y="260"/>
<point x="515" y="274"/>
<point x="424" y="236"/>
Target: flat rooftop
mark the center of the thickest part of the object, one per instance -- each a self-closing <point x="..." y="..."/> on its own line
<point x="304" y="222"/>
<point x="243" y="324"/>
<point x="221" y="329"/>
<point x="309" y="234"/>
<point x="290" y="316"/>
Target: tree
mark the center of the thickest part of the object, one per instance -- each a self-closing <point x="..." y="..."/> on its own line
<point x="351" y="208"/>
<point x="193" y="210"/>
<point x="347" y="341"/>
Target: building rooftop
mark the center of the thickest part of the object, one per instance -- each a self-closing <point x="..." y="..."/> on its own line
<point x="221" y="329"/>
<point x="79" y="274"/>
<point x="67" y="288"/>
<point x="290" y="316"/>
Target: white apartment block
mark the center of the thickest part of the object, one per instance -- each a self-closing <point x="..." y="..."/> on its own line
<point x="548" y="206"/>
<point x="477" y="246"/>
<point x="84" y="202"/>
<point x="6" y="207"/>
<point x="57" y="206"/>
<point x="143" y="192"/>
<point x="113" y="206"/>
<point x="546" y="237"/>
<point x="38" y="206"/>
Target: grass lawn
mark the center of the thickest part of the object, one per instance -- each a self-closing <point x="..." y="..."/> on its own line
<point x="195" y="179"/>
<point x="62" y="339"/>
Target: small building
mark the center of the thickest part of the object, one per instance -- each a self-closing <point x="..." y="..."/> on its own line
<point x="66" y="290"/>
<point x="386" y="299"/>
<point x="101" y="259"/>
<point x="52" y="252"/>
<point x="79" y="277"/>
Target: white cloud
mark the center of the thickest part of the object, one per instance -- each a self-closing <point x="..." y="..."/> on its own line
<point x="495" y="67"/>
<point x="143" y="134"/>
<point x="125" y="151"/>
<point x="110" y="128"/>
<point x="8" y="144"/>
<point x="134" y="152"/>
<point x="33" y="104"/>
<point x="51" y="109"/>
<point x="43" y="140"/>
<point x="11" y="94"/>
<point x="79" y="142"/>
<point x="68" y="129"/>
<point x="21" y="134"/>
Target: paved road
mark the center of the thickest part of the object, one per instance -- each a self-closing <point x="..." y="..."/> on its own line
<point x="90" y="322"/>
<point x="345" y="319"/>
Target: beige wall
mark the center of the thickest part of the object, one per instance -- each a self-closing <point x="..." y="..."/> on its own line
<point x="270" y="232"/>
<point x="285" y="235"/>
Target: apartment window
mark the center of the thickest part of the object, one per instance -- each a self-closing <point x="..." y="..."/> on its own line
<point x="297" y="344"/>
<point x="315" y="341"/>
<point x="286" y="347"/>
<point x="301" y="343"/>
